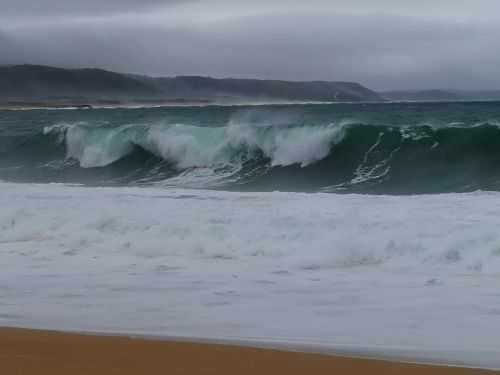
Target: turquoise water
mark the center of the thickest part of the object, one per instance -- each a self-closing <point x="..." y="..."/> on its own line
<point x="386" y="148"/>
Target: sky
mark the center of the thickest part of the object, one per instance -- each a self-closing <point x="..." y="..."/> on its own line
<point x="383" y="44"/>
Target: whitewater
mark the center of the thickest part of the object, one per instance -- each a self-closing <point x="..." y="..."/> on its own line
<point x="361" y="229"/>
<point x="401" y="276"/>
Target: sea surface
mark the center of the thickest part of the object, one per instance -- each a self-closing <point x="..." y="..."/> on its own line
<point x="361" y="228"/>
<point x="389" y="148"/>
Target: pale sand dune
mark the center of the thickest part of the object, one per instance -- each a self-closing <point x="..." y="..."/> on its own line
<point x="29" y="352"/>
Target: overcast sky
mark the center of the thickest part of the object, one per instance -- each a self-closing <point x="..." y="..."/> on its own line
<point x="383" y="44"/>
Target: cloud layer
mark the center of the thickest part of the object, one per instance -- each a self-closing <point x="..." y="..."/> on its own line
<point x="445" y="44"/>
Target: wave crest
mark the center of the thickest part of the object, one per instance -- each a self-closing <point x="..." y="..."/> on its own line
<point x="251" y="154"/>
<point x="189" y="146"/>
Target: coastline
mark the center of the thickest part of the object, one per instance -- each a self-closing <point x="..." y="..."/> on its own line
<point x="30" y="351"/>
<point x="27" y="106"/>
<point x="210" y="103"/>
<point x="100" y="104"/>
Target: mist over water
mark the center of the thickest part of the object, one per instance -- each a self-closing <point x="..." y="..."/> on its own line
<point x="390" y="148"/>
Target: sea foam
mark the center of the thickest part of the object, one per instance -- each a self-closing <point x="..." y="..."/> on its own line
<point x="190" y="146"/>
<point x="416" y="273"/>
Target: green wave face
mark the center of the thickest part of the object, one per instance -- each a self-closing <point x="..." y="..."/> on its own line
<point x="361" y="148"/>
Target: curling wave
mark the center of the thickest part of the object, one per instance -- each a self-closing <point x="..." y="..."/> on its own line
<point x="336" y="157"/>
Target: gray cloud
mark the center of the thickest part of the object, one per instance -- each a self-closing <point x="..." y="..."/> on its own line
<point x="384" y="46"/>
<point x="50" y="8"/>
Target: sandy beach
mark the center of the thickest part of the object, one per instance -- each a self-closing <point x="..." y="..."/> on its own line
<point x="28" y="352"/>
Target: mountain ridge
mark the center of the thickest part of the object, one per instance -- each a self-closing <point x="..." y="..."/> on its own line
<point x="440" y="95"/>
<point x="39" y="82"/>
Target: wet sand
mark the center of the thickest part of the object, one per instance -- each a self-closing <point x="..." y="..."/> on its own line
<point x="29" y="352"/>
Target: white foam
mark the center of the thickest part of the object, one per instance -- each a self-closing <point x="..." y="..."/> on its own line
<point x="188" y="146"/>
<point x="417" y="273"/>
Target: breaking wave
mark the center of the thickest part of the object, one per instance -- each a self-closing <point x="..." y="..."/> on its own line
<point x="344" y="156"/>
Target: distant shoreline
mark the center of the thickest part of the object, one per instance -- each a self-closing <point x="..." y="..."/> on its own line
<point x="95" y="104"/>
<point x="68" y="105"/>
<point x="27" y="105"/>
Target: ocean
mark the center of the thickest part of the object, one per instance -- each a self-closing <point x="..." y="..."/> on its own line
<point x="390" y="148"/>
<point x="360" y="228"/>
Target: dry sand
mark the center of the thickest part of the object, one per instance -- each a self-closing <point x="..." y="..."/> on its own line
<point x="29" y="352"/>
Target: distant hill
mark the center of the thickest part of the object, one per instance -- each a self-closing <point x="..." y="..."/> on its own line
<point x="43" y="83"/>
<point x="480" y="95"/>
<point x="440" y="95"/>
<point x="424" y="95"/>
<point x="256" y="89"/>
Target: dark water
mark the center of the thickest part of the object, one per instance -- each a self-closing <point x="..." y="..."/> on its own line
<point x="390" y="148"/>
